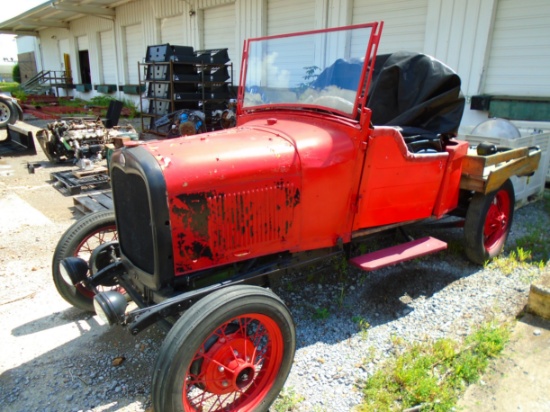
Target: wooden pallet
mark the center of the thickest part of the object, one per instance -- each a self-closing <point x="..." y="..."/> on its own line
<point x="70" y="182"/>
<point x="79" y="174"/>
<point x="94" y="201"/>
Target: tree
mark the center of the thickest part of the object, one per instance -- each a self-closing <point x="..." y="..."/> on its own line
<point x="16" y="74"/>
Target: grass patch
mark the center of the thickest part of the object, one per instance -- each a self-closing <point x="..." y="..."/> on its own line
<point x="432" y="376"/>
<point x="517" y="259"/>
<point x="537" y="242"/>
<point x="104" y="101"/>
<point x="9" y="87"/>
<point x="75" y="102"/>
<point x="531" y="250"/>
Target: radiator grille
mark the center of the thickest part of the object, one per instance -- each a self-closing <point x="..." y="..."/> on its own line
<point x="252" y="217"/>
<point x="133" y="219"/>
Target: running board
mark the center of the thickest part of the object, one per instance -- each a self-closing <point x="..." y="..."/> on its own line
<point x="397" y="254"/>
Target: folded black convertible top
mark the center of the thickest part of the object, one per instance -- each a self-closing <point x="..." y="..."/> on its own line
<point x="415" y="91"/>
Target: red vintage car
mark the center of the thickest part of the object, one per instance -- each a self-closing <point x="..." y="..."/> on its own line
<point x="332" y="143"/>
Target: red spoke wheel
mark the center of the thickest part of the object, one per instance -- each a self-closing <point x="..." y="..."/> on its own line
<point x="488" y="221"/>
<point x="231" y="351"/>
<point x="80" y="240"/>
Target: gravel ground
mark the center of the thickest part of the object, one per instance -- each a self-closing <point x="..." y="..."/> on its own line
<point x="56" y="358"/>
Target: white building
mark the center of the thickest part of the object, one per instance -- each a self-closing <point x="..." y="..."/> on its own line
<point x="500" y="48"/>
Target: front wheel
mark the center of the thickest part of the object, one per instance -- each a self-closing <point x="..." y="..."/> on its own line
<point x="231" y="351"/>
<point x="488" y="222"/>
<point x="80" y="240"/>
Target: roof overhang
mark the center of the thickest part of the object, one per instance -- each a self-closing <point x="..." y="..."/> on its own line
<point x="58" y="14"/>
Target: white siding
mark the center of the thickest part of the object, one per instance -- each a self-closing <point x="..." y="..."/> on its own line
<point x="205" y="4"/>
<point x="135" y="52"/>
<point x="108" y="57"/>
<point x="288" y="16"/>
<point x="172" y="30"/>
<point x="519" y="59"/>
<point x="496" y="46"/>
<point x="219" y="25"/>
<point x="404" y="22"/>
<point x="168" y="8"/>
<point x="249" y="21"/>
<point x="82" y="43"/>
<point x="219" y="32"/>
<point x="457" y="33"/>
<point x="64" y="48"/>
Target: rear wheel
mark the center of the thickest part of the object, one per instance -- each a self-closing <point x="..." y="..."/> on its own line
<point x="231" y="351"/>
<point x="488" y="221"/>
<point x="80" y="240"/>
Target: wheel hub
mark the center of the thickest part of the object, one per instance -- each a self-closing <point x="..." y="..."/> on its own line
<point x="4" y="112"/>
<point x="496" y="222"/>
<point x="228" y="365"/>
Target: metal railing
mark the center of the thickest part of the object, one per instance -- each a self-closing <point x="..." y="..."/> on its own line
<point x="46" y="80"/>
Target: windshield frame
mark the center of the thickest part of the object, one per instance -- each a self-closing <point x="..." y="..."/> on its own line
<point x="359" y="97"/>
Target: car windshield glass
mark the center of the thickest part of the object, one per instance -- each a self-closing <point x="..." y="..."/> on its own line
<point x="310" y="69"/>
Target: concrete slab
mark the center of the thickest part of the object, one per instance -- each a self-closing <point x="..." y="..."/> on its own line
<point x="539" y="297"/>
<point x="520" y="379"/>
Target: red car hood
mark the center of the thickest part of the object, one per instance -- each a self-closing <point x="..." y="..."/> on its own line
<point x="211" y="160"/>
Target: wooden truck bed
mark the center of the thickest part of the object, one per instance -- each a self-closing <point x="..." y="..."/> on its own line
<point x="484" y="174"/>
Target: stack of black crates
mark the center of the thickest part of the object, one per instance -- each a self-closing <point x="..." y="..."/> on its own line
<point x="178" y="77"/>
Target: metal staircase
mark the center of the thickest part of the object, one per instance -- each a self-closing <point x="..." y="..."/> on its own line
<point x="46" y="80"/>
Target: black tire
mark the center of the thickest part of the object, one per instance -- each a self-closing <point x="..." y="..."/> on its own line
<point x="79" y="240"/>
<point x="8" y="112"/>
<point x="488" y="222"/>
<point x="19" y="111"/>
<point x="214" y="331"/>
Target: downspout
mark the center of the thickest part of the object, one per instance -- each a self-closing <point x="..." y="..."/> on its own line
<point x="117" y="73"/>
<point x="38" y="42"/>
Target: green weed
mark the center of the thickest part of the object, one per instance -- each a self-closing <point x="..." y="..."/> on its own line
<point x="546" y="201"/>
<point x="321" y="314"/>
<point x="102" y="101"/>
<point x="341" y="267"/>
<point x="287" y="401"/>
<point x="341" y="297"/>
<point x="518" y="258"/>
<point x="433" y="375"/>
<point x="536" y="243"/>
<point x="362" y="248"/>
<point x="362" y="325"/>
